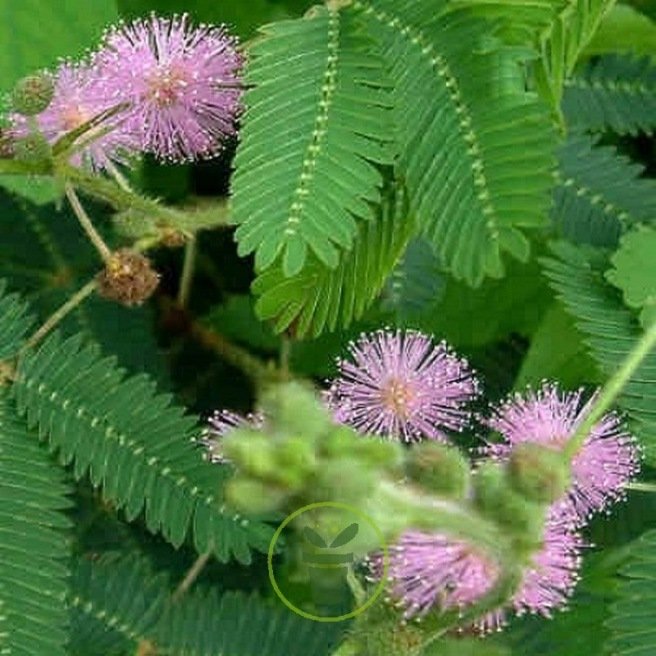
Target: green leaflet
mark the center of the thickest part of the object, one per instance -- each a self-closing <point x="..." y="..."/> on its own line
<point x="632" y="616"/>
<point x="134" y="444"/>
<point x="610" y="330"/>
<point x="613" y="92"/>
<point x="627" y="30"/>
<point x="316" y="127"/>
<point x="320" y="299"/>
<point x="599" y="193"/>
<point x="34" y="545"/>
<point x="476" y="148"/>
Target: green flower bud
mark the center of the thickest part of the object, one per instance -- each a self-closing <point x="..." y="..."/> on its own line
<point x="251" y="452"/>
<point x="253" y="497"/>
<point x="538" y="473"/>
<point x="439" y="468"/>
<point x="32" y="94"/>
<point x="295" y="461"/>
<point x="495" y="497"/>
<point x="294" y="408"/>
<point x="32" y="148"/>
<point x="344" y="480"/>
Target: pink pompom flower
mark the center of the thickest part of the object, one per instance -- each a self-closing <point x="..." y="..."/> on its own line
<point x="77" y="99"/>
<point x="431" y="572"/>
<point x="180" y="83"/>
<point x="399" y="385"/>
<point x="219" y="425"/>
<point x="607" y="461"/>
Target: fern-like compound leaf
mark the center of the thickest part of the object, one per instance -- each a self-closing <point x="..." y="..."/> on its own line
<point x="317" y="124"/>
<point x="613" y="92"/>
<point x="599" y="193"/>
<point x="320" y="299"/>
<point x="134" y="443"/>
<point x="120" y="607"/>
<point x="116" y="602"/>
<point x="34" y="545"/>
<point x="610" y="331"/>
<point x="632" y="616"/>
<point x="476" y="147"/>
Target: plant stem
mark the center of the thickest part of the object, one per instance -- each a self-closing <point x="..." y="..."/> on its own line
<point x="611" y="390"/>
<point x="285" y="356"/>
<point x="121" y="181"/>
<point x="641" y="487"/>
<point x="86" y="223"/>
<point x="187" y="272"/>
<point x="60" y="313"/>
<point x="191" y="576"/>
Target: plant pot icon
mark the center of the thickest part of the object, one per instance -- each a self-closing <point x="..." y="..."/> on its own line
<point x="322" y="554"/>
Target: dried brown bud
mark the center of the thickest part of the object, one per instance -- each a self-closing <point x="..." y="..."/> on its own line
<point x="128" y="278"/>
<point x="172" y="238"/>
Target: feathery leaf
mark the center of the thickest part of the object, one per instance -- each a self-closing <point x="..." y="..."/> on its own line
<point x="476" y="147"/>
<point x="134" y="443"/>
<point x="317" y="123"/>
<point x="34" y="548"/>
<point x="613" y="92"/>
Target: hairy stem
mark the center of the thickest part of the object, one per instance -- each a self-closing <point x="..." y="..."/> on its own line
<point x="641" y="487"/>
<point x="612" y="390"/>
<point x="86" y="223"/>
<point x="187" y="272"/>
<point x="59" y="314"/>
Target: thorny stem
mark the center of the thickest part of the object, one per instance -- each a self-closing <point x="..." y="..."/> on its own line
<point x="86" y="223"/>
<point x="61" y="313"/>
<point x="611" y="390"/>
<point x="191" y="576"/>
<point x="187" y="277"/>
<point x="121" y="180"/>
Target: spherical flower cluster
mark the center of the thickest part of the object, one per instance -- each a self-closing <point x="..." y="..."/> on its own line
<point x="399" y="385"/>
<point x="156" y="85"/>
<point x="180" y="85"/>
<point x="606" y="462"/>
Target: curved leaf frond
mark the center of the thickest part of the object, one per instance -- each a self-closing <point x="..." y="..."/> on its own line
<point x="134" y="444"/>
<point x="317" y="124"/>
<point x="476" y="147"/>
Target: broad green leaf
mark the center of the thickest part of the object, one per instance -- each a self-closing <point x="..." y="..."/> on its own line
<point x="557" y="352"/>
<point x="624" y="29"/>
<point x="634" y="272"/>
<point x="34" y="34"/>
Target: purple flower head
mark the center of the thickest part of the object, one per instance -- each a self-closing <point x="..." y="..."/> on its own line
<point x="77" y="99"/>
<point x="550" y="581"/>
<point x="428" y="570"/>
<point x="219" y="425"/>
<point x="180" y="84"/>
<point x="401" y="386"/>
<point x="607" y="461"/>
